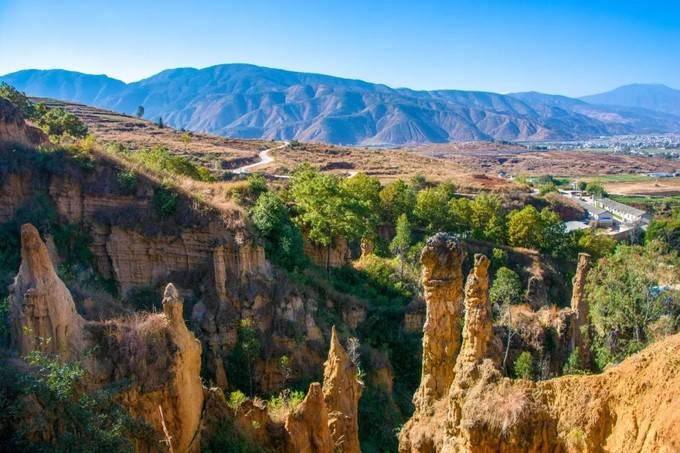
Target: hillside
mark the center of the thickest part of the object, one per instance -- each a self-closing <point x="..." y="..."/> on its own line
<point x="246" y="101"/>
<point x="648" y="96"/>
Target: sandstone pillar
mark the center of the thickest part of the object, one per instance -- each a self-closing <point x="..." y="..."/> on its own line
<point x="42" y="312"/>
<point x="341" y="391"/>
<point x="579" y="338"/>
<point x="442" y="278"/>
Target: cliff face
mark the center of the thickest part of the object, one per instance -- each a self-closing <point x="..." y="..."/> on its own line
<point x="42" y="312"/>
<point x="155" y="354"/>
<point x="630" y="407"/>
<point x="210" y="255"/>
<point x="341" y="392"/>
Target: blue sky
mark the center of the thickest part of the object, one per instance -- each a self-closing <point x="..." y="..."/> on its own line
<point x="567" y="47"/>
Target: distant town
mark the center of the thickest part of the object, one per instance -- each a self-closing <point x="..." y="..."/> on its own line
<point x="659" y="145"/>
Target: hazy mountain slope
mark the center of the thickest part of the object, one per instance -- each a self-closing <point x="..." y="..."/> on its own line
<point x="254" y="102"/>
<point x="65" y="85"/>
<point x="648" y="96"/>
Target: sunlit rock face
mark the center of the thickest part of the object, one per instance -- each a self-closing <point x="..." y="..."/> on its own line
<point x="42" y="312"/>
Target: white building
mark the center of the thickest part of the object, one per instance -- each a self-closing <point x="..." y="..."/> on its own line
<point x="625" y="213"/>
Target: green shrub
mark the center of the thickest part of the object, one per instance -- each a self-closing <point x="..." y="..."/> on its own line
<point x="19" y="99"/>
<point x="574" y="365"/>
<point x="80" y="421"/>
<point x="283" y="239"/>
<point x="236" y="400"/>
<point x="524" y="366"/>
<point x="127" y="181"/>
<point x="164" y="201"/>
<point x="506" y="287"/>
<point x="58" y="122"/>
<point x="160" y="160"/>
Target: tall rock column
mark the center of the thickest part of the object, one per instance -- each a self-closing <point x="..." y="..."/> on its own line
<point x="184" y="401"/>
<point x="341" y="392"/>
<point x="478" y="328"/>
<point x="42" y="312"/>
<point x="442" y="278"/>
<point x="579" y="306"/>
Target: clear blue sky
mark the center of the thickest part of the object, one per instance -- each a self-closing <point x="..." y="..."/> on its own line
<point x="554" y="46"/>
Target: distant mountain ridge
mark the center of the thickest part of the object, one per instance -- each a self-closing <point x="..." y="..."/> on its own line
<point x="248" y="101"/>
<point x="648" y="96"/>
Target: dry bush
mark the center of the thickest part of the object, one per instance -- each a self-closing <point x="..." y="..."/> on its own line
<point x="502" y="409"/>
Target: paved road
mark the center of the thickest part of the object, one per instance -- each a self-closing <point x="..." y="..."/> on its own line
<point x="265" y="158"/>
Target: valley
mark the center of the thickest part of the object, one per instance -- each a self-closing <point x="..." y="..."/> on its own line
<point x="199" y="293"/>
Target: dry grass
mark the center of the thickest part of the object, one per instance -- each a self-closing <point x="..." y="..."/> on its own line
<point x="501" y="409"/>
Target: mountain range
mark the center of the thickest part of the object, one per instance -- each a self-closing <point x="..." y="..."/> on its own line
<point x="247" y="101"/>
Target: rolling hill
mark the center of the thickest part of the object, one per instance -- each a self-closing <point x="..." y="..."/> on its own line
<point x="247" y="101"/>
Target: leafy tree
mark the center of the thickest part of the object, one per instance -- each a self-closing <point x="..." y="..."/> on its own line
<point x="460" y="213"/>
<point x="431" y="207"/>
<point x="506" y="287"/>
<point x="539" y="230"/>
<point x="626" y="299"/>
<point x="397" y="198"/>
<point x="499" y="258"/>
<point x="367" y="190"/>
<point x="19" y="99"/>
<point x="487" y="219"/>
<point x="401" y="241"/>
<point x="596" y="245"/>
<point x="581" y="185"/>
<point x="58" y="122"/>
<point x="524" y="366"/>
<point x="596" y="190"/>
<point x="326" y="209"/>
<point x="665" y="230"/>
<point x="283" y="240"/>
<point x="249" y="343"/>
<point x="140" y="111"/>
<point x="524" y="228"/>
<point x="553" y="232"/>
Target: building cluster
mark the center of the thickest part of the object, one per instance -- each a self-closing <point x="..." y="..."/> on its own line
<point x="616" y="219"/>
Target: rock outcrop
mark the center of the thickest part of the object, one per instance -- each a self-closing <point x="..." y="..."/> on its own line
<point x="341" y="391"/>
<point x="337" y="255"/>
<point x="579" y="338"/>
<point x="159" y="360"/>
<point x="630" y="407"/>
<point x="442" y="278"/>
<point x="42" y="312"/>
<point x="307" y="425"/>
<point x="15" y="131"/>
<point x="155" y="355"/>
